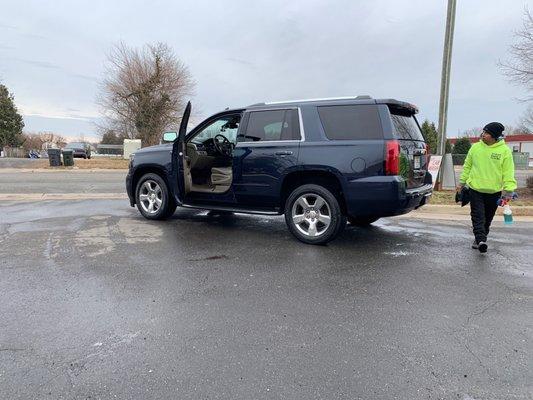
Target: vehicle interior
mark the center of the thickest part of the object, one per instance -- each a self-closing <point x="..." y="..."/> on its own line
<point x="209" y="156"/>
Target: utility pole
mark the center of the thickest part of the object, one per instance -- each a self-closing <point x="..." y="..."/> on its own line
<point x="444" y="88"/>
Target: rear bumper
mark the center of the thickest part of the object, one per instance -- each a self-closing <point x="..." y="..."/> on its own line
<point x="79" y="154"/>
<point x="384" y="196"/>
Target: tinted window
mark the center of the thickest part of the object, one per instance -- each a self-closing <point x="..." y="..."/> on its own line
<point x="351" y="122"/>
<point x="405" y="126"/>
<point x="272" y="125"/>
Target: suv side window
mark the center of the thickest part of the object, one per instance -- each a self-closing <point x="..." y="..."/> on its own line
<point x="226" y="126"/>
<point x="351" y="122"/>
<point x="275" y="125"/>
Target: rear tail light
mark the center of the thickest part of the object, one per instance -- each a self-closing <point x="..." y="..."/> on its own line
<point x="427" y="155"/>
<point x="392" y="157"/>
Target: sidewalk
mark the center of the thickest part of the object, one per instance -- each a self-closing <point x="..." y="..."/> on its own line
<point x="455" y="212"/>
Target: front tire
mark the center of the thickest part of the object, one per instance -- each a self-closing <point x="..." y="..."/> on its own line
<point x="153" y="197"/>
<point x="313" y="215"/>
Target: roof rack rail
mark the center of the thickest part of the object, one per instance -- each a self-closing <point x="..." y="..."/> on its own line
<point x="362" y="97"/>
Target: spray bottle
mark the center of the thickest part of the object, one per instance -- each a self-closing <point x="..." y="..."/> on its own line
<point x="507" y="212"/>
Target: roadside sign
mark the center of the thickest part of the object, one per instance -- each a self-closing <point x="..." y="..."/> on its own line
<point x="433" y="167"/>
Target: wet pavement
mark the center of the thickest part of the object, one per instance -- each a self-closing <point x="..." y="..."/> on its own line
<point x="98" y="303"/>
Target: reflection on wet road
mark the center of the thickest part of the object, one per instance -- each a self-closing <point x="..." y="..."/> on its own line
<point x="96" y="302"/>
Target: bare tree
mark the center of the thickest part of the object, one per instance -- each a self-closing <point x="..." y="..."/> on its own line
<point x="32" y="141"/>
<point x="472" y="132"/>
<point x="51" y="138"/>
<point x="144" y="92"/>
<point x="526" y="121"/>
<point x="42" y="140"/>
<point x="519" y="69"/>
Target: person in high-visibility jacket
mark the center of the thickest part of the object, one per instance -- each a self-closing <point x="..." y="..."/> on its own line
<point x="488" y="171"/>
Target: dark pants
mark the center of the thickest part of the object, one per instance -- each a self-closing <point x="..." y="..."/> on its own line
<point x="483" y="206"/>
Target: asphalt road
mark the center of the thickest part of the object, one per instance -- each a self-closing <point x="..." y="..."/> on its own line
<point x="98" y="303"/>
<point x="74" y="181"/>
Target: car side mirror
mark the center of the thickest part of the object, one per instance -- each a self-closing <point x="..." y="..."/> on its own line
<point x="170" y="136"/>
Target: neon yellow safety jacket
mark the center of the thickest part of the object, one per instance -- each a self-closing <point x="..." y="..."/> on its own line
<point x="489" y="169"/>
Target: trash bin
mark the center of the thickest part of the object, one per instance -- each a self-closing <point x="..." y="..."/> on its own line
<point x="54" y="157"/>
<point x="68" y="158"/>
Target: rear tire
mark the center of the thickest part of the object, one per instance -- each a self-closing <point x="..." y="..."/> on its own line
<point x="362" y="221"/>
<point x="153" y="197"/>
<point x="313" y="214"/>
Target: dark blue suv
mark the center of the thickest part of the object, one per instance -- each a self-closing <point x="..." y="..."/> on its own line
<point x="319" y="162"/>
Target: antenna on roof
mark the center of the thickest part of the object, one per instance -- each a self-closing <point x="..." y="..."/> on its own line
<point x="363" y="97"/>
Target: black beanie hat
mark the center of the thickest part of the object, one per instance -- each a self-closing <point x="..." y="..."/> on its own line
<point x="494" y="129"/>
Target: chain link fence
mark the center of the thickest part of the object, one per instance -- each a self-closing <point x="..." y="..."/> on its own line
<point x="110" y="150"/>
<point x="521" y="160"/>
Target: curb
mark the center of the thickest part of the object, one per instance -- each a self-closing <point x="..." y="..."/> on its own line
<point x="526" y="211"/>
<point x="442" y="216"/>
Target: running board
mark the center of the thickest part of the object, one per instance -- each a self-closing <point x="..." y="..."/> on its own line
<point x="230" y="209"/>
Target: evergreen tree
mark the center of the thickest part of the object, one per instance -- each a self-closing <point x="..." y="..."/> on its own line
<point x="11" y="123"/>
<point x="462" y="146"/>
<point x="429" y="132"/>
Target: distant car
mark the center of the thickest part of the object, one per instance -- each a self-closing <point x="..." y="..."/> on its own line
<point x="319" y="162"/>
<point x="80" y="149"/>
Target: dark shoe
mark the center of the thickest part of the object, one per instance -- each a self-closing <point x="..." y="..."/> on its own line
<point x="482" y="247"/>
<point x="475" y="245"/>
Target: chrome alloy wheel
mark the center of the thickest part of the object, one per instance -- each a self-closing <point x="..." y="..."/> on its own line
<point x="311" y="214"/>
<point x="150" y="196"/>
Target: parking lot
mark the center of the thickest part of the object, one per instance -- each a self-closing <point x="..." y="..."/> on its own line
<point x="98" y="303"/>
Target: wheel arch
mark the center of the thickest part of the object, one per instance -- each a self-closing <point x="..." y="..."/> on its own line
<point x="149" y="169"/>
<point x="327" y="178"/>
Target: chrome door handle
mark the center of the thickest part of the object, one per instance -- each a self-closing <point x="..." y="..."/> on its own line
<point x="283" y="153"/>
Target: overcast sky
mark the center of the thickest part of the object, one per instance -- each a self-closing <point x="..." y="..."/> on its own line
<point x="52" y="54"/>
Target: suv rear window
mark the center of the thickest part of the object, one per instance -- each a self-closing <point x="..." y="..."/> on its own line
<point x="351" y="122"/>
<point x="405" y="125"/>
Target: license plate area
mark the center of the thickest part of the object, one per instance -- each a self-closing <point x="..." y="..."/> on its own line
<point x="416" y="162"/>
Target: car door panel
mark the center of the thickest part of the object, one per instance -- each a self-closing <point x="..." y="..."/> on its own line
<point x="260" y="166"/>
